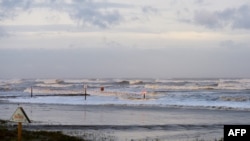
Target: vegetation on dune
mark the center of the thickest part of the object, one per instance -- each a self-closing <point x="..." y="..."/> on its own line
<point x="8" y="134"/>
<point x="11" y="135"/>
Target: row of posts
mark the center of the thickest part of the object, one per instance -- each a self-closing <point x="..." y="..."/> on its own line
<point x="85" y="91"/>
<point x="84" y="87"/>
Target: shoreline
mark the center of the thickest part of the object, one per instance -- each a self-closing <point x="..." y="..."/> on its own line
<point x="61" y="99"/>
<point x="128" y="122"/>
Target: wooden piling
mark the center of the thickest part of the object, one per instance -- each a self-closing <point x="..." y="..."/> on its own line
<point x="31" y="91"/>
<point x="85" y="91"/>
<point x="19" y="131"/>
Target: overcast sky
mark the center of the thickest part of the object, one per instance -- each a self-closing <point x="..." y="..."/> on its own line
<point x="118" y="38"/>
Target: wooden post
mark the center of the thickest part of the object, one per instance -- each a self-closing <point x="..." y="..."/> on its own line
<point x="144" y="94"/>
<point x="31" y="91"/>
<point x="19" y="131"/>
<point x="85" y="91"/>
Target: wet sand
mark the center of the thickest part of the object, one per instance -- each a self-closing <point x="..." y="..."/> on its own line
<point x="128" y="122"/>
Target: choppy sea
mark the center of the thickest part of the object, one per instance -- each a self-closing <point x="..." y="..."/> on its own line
<point x="225" y="94"/>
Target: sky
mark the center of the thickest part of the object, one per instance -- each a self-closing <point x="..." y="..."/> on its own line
<point x="131" y="39"/>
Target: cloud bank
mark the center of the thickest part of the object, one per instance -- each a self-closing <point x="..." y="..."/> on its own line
<point x="84" y="12"/>
<point x="236" y="18"/>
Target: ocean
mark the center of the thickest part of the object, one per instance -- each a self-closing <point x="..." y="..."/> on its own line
<point x="224" y="94"/>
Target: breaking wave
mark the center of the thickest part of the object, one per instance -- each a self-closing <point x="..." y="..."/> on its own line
<point x="130" y="82"/>
<point x="209" y="93"/>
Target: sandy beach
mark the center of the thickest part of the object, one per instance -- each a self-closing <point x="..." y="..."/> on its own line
<point x="109" y="122"/>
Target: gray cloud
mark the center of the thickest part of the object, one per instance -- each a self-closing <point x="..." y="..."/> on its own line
<point x="14" y="4"/>
<point x="242" y="17"/>
<point x="88" y="12"/>
<point x="100" y="14"/>
<point x="149" y="9"/>
<point x="207" y="19"/>
<point x="199" y="1"/>
<point x="238" y="18"/>
<point x="10" y="8"/>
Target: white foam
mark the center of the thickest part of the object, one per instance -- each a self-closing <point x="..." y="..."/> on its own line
<point x="54" y="85"/>
<point x="114" y="100"/>
<point x="175" y="87"/>
<point x="51" y="91"/>
<point x="46" y="81"/>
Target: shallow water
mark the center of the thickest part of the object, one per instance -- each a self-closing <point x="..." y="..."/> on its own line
<point x="130" y="122"/>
